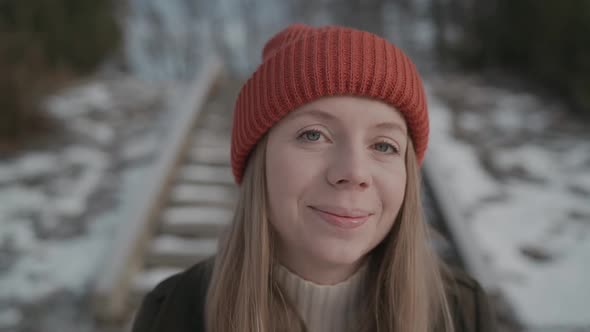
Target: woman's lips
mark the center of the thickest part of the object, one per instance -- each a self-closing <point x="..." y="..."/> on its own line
<point x="341" y="217"/>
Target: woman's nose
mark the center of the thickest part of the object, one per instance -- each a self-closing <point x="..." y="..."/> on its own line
<point x="349" y="169"/>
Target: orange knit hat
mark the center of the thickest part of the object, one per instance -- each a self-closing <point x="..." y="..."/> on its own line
<point x="303" y="63"/>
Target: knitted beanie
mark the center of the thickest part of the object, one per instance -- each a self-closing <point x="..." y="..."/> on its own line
<point x="303" y="63"/>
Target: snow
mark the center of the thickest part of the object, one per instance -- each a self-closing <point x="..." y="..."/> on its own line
<point x="51" y="266"/>
<point x="81" y="100"/>
<point x="19" y="200"/>
<point x="209" y="154"/>
<point x="18" y="236"/>
<point x="78" y="155"/>
<point x="448" y="154"/>
<point x="171" y="48"/>
<point x="60" y="204"/>
<point x="94" y="130"/>
<point x="214" y="194"/>
<point x="177" y="245"/>
<point x="47" y="266"/>
<point x="147" y="280"/>
<point x="10" y="318"/>
<point x="533" y="229"/>
<point x="538" y="217"/>
<point x="7" y="173"/>
<point x="197" y="215"/>
<point x="206" y="173"/>
<point x="36" y="165"/>
<point x="140" y="147"/>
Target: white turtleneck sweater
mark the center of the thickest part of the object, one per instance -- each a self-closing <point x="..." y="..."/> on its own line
<point x="324" y="307"/>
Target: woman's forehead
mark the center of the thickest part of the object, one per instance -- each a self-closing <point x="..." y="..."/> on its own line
<point x="346" y="109"/>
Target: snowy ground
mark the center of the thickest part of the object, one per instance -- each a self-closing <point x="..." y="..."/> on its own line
<point x="519" y="168"/>
<point x="61" y="202"/>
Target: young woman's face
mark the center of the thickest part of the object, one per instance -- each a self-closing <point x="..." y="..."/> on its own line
<point x="336" y="179"/>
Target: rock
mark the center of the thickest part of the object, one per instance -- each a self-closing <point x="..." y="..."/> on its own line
<point x="536" y="254"/>
<point x="579" y="190"/>
<point x="577" y="215"/>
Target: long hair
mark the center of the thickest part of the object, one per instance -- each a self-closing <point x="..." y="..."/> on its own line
<point x="405" y="284"/>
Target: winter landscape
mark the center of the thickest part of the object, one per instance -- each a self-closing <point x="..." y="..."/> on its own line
<point x="516" y="163"/>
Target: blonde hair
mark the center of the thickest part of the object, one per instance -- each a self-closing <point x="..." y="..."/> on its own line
<point x="405" y="284"/>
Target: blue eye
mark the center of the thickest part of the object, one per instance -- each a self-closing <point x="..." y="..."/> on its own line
<point x="384" y="146"/>
<point x="311" y="135"/>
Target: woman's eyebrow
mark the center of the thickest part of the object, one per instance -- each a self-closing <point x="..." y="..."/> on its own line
<point x="391" y="126"/>
<point x="317" y="113"/>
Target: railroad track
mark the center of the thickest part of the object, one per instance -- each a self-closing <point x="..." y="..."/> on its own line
<point x="189" y="200"/>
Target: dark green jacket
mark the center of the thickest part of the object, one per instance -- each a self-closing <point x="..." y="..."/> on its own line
<point x="177" y="304"/>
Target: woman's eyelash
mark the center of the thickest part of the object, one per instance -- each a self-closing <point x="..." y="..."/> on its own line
<point x="393" y="147"/>
<point x="310" y="131"/>
<point x="318" y="133"/>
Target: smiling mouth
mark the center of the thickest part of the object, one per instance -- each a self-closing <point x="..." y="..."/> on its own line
<point x="342" y="218"/>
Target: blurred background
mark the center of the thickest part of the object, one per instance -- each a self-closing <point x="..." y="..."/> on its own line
<point x="89" y="90"/>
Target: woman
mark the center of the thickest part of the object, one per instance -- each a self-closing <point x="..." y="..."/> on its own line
<point x="328" y="137"/>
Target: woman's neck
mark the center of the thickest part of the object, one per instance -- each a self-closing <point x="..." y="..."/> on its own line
<point x="321" y="273"/>
<point x="333" y="307"/>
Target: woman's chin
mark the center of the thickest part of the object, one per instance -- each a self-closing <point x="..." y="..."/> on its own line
<point x="338" y="256"/>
